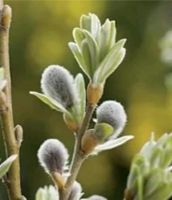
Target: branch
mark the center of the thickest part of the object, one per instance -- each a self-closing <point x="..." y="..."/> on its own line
<point x="6" y="113"/>
<point x="78" y="156"/>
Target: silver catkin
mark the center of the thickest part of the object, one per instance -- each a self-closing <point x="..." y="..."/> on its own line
<point x="58" y="83"/>
<point x="113" y="113"/>
<point x="76" y="191"/>
<point x="53" y="156"/>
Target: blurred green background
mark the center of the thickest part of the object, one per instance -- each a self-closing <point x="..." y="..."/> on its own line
<point x="39" y="36"/>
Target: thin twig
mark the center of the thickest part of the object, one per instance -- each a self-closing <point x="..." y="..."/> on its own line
<point x="78" y="156"/>
<point x="6" y="113"/>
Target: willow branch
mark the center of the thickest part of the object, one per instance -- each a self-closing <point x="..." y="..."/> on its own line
<point x="78" y="156"/>
<point x="6" y="113"/>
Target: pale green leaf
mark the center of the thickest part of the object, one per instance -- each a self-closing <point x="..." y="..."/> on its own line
<point x="79" y="58"/>
<point x="4" y="167"/>
<point x="85" y="22"/>
<point x="157" y="156"/>
<point x="163" y="192"/>
<point x="110" y="62"/>
<point x="131" y="181"/>
<point x="146" y="150"/>
<point x="112" y="143"/>
<point x="167" y="159"/>
<point x="90" y="23"/>
<point x="93" y="49"/>
<point x="50" y="102"/>
<point x="140" y="186"/>
<point x="154" y="179"/>
<point x="87" y="56"/>
<point x="80" y="87"/>
<point x="106" y="38"/>
<point x="78" y="36"/>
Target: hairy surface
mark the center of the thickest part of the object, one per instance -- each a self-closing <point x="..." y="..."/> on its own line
<point x="58" y="83"/>
<point x="76" y="191"/>
<point x="113" y="113"/>
<point x="53" y="156"/>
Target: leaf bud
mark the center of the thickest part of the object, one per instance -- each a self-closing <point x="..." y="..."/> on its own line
<point x="103" y="131"/>
<point x="94" y="93"/>
<point x="70" y="122"/>
<point x="89" y="141"/>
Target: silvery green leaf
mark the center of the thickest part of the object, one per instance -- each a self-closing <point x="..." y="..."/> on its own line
<point x="50" y="102"/>
<point x="90" y="23"/>
<point x="163" y="192"/>
<point x="110" y="62"/>
<point x="168" y="142"/>
<point x="87" y="56"/>
<point x="85" y="22"/>
<point x="162" y="139"/>
<point x="131" y="182"/>
<point x="78" y="36"/>
<point x="157" y="156"/>
<point x="93" y="49"/>
<point x="106" y="37"/>
<point x="167" y="160"/>
<point x="154" y="179"/>
<point x="47" y="193"/>
<point x="142" y="163"/>
<point x="4" y="167"/>
<point x="140" y="186"/>
<point x="146" y="150"/>
<point x="79" y="58"/>
<point x="113" y="143"/>
<point x="80" y="87"/>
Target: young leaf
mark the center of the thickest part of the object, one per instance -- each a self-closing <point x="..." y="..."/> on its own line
<point x="87" y="56"/>
<point x="106" y="37"/>
<point x="80" y="87"/>
<point x="93" y="49"/>
<point x="90" y="23"/>
<point x="79" y="58"/>
<point x="112" y="143"/>
<point x="103" y="131"/>
<point x="153" y="181"/>
<point x="50" y="102"/>
<point x="4" y="167"/>
<point x="163" y="192"/>
<point x="110" y="62"/>
<point x="78" y="36"/>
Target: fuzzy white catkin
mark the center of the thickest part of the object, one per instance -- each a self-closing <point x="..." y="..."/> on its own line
<point x="58" y="83"/>
<point x="113" y="113"/>
<point x="53" y="156"/>
<point x="76" y="191"/>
